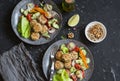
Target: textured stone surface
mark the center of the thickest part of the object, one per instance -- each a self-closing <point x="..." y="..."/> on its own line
<point x="106" y="54"/>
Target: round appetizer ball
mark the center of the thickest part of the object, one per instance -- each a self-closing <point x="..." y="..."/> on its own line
<point x="68" y="65"/>
<point x="42" y="19"/>
<point x="58" y="55"/>
<point x="37" y="27"/>
<point x="66" y="57"/>
<point x="74" y="55"/>
<point x="35" y="36"/>
<point x="58" y="65"/>
<point x="44" y="29"/>
<point x="33" y="23"/>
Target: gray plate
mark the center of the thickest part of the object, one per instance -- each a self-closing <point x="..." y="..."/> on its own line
<point x="15" y="18"/>
<point x="46" y="64"/>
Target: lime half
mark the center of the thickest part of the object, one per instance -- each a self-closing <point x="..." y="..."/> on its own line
<point x="74" y="20"/>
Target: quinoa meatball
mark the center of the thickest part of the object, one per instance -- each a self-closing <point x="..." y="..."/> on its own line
<point x="59" y="55"/>
<point x="35" y="36"/>
<point x="42" y="19"/>
<point x="68" y="65"/>
<point x="58" y="65"/>
<point x="74" y="55"/>
<point x="37" y="27"/>
<point x="44" y="29"/>
<point x="33" y="23"/>
<point x="66" y="57"/>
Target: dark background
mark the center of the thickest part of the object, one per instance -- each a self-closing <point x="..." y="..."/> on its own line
<point x="106" y="54"/>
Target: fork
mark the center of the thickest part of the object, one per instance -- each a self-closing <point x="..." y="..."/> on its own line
<point x="52" y="66"/>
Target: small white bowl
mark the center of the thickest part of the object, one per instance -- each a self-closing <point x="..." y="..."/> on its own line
<point x="90" y="25"/>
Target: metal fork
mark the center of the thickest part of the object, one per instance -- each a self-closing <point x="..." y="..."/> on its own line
<point x="52" y="66"/>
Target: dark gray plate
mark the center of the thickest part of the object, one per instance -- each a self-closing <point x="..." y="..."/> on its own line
<point x="15" y="18"/>
<point x="46" y="64"/>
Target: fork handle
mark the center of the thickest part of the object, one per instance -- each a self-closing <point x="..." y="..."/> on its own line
<point x="51" y="72"/>
<point x="51" y="75"/>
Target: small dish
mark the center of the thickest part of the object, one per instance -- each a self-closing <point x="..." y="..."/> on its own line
<point x="95" y="32"/>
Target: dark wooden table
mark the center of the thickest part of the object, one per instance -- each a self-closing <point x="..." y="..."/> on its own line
<point x="106" y="54"/>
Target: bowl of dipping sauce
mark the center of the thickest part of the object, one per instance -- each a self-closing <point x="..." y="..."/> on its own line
<point x="95" y="32"/>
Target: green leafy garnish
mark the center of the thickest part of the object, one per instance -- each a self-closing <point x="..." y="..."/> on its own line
<point x="61" y="76"/>
<point x="24" y="27"/>
<point x="64" y="48"/>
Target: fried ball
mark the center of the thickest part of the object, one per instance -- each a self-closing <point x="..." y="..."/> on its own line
<point x="59" y="55"/>
<point x="58" y="65"/>
<point x="74" y="55"/>
<point x="42" y="19"/>
<point x="35" y="36"/>
<point x="37" y="27"/>
<point x="66" y="57"/>
<point x="68" y="65"/>
<point x="33" y="23"/>
<point x="44" y="29"/>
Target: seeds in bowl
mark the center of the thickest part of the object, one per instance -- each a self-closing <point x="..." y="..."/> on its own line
<point x="95" y="32"/>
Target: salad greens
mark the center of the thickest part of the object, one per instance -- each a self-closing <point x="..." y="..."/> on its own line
<point x="62" y="75"/>
<point x="64" y="48"/>
<point x="72" y="69"/>
<point x="24" y="27"/>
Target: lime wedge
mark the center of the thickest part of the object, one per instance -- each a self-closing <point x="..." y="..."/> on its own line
<point x="74" y="20"/>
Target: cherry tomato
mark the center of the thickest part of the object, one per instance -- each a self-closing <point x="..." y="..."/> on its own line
<point x="74" y="77"/>
<point x="76" y="49"/>
<point x="36" y="5"/>
<point x="77" y="66"/>
<point x="29" y="17"/>
<point x="83" y="73"/>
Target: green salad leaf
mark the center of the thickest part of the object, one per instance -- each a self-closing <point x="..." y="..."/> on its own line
<point x="24" y="27"/>
<point x="72" y="69"/>
<point x="64" y="48"/>
<point x="61" y="76"/>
